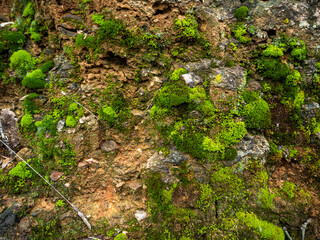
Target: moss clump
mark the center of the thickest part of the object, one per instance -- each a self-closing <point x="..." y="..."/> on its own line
<point x="47" y="66"/>
<point x="108" y="114"/>
<point x="175" y="75"/>
<point x="27" y="122"/>
<point x="121" y="236"/>
<point x="11" y="41"/>
<point x="273" y="69"/>
<point x="264" y="229"/>
<point x="21" y="62"/>
<point x="34" y="80"/>
<point x="29" y="105"/>
<point x="29" y="10"/>
<point x="250" y="96"/>
<point x="173" y="94"/>
<point x="257" y="114"/>
<point x="240" y="33"/>
<point x="299" y="54"/>
<point x="241" y="13"/>
<point x="71" y="121"/>
<point x="272" y="51"/>
<point x="89" y="41"/>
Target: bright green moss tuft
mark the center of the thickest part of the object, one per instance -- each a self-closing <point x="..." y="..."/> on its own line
<point x="21" y="62"/>
<point x="175" y="76"/>
<point x="273" y="69"/>
<point x="121" y="236"/>
<point x="71" y="121"/>
<point x="264" y="229"/>
<point x="272" y="51"/>
<point x="108" y="114"/>
<point x="257" y="114"/>
<point x="47" y="66"/>
<point x="89" y="41"/>
<point x="239" y="32"/>
<point x="173" y="94"/>
<point x="241" y="13"/>
<point x="34" y="80"/>
<point x="299" y="54"/>
<point x="29" y="10"/>
<point x="21" y="170"/>
<point x="29" y="105"/>
<point x="27" y="122"/>
<point x="251" y="96"/>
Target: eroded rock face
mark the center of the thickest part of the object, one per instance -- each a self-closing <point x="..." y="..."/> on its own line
<point x="252" y="146"/>
<point x="9" y="124"/>
<point x="309" y="111"/>
<point x="62" y="67"/>
<point x="191" y="79"/>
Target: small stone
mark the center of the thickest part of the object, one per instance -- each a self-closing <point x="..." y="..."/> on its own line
<point x="67" y="185"/>
<point x="136" y="112"/>
<point x="55" y="175"/>
<point x="191" y="79"/>
<point x="109" y="146"/>
<point x="135" y="185"/>
<point x="140" y="215"/>
<point x="60" y="125"/>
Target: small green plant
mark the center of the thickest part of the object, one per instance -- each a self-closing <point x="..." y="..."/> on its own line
<point x="272" y="51"/>
<point x="108" y="114"/>
<point x="29" y="105"/>
<point x="229" y="63"/>
<point x="240" y="33"/>
<point x="264" y="229"/>
<point x="290" y="189"/>
<point x="60" y="203"/>
<point x="173" y="94"/>
<point x="21" y="62"/>
<point x="257" y="114"/>
<point x="241" y="13"/>
<point x="27" y="122"/>
<point x="121" y="236"/>
<point x="175" y="75"/>
<point x="71" y="121"/>
<point x="34" y="80"/>
<point x="299" y="53"/>
<point x="45" y="68"/>
<point x="29" y="10"/>
<point x="88" y="41"/>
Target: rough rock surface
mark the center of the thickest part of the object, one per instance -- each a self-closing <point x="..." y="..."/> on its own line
<point x="309" y="111"/>
<point x="252" y="146"/>
<point x="191" y="79"/>
<point x="62" y="67"/>
<point x="9" y="124"/>
<point x="109" y="146"/>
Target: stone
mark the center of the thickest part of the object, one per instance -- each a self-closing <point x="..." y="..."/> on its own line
<point x="25" y="224"/>
<point x="309" y="111"/>
<point x="136" y="112"/>
<point x="7" y="219"/>
<point x="25" y="154"/>
<point x="71" y="16"/>
<point x="191" y="79"/>
<point x="109" y="146"/>
<point x="86" y="162"/>
<point x="140" y="215"/>
<point x="198" y="66"/>
<point x="228" y="78"/>
<point x="252" y="146"/>
<point x="55" y="175"/>
<point x="9" y="125"/>
<point x="62" y="67"/>
<point x="175" y="157"/>
<point x="60" y="125"/>
<point x="66" y="32"/>
<point x="135" y="185"/>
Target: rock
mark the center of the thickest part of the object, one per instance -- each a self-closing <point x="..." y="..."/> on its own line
<point x="109" y="146"/>
<point x="175" y="157"/>
<point x="86" y="162"/>
<point x="3" y="18"/>
<point x="136" y="112"/>
<point x="25" y="154"/>
<point x="309" y="111"/>
<point x="191" y="79"/>
<point x="228" y="78"/>
<point x="7" y="219"/>
<point x="2" y="25"/>
<point x="9" y="125"/>
<point x="135" y="185"/>
<point x="71" y="16"/>
<point x="198" y="66"/>
<point x="55" y="175"/>
<point x="256" y="147"/>
<point x="146" y="73"/>
<point x="60" y="125"/>
<point x="25" y="224"/>
<point x="67" y="32"/>
<point x="62" y="67"/>
<point x="140" y="215"/>
<point x="67" y="185"/>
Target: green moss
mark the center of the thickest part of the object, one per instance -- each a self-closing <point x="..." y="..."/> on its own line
<point x="72" y="108"/>
<point x="290" y="189"/>
<point x="21" y="170"/>
<point x="299" y="54"/>
<point x="108" y="114"/>
<point x="21" y="62"/>
<point x="71" y="121"/>
<point x="250" y="96"/>
<point x="187" y="27"/>
<point x="29" y="10"/>
<point x="273" y="69"/>
<point x="229" y="63"/>
<point x="257" y="114"/>
<point x="29" y="105"/>
<point x="34" y="80"/>
<point x="272" y="51"/>
<point x="241" y="13"/>
<point x="45" y="68"/>
<point x="240" y="33"/>
<point x="11" y="41"/>
<point x="89" y="41"/>
<point x="318" y="66"/>
<point x="27" y="122"/>
<point x="173" y="94"/>
<point x="230" y="154"/>
<point x="264" y="229"/>
<point x="121" y="236"/>
<point x="175" y="75"/>
<point x="232" y="132"/>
